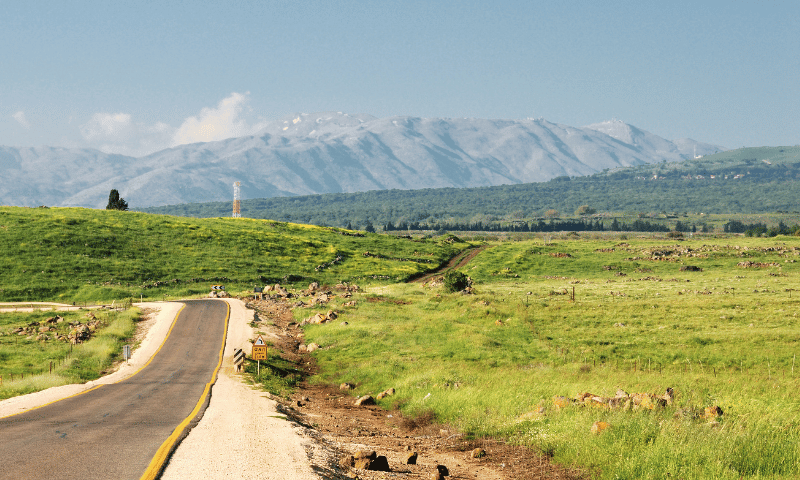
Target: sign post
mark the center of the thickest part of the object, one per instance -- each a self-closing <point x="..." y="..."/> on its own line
<point x="126" y="352"/>
<point x="259" y="352"/>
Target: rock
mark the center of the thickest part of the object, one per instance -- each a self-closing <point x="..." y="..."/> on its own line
<point x="371" y="454"/>
<point x="598" y="427"/>
<point x="385" y="393"/>
<point x="311" y="347"/>
<point x="302" y="348"/>
<point x="346" y="386"/>
<point x="313" y="286"/>
<point x="344" y="324"/>
<point x="380" y="464"/>
<point x="478" y="453"/>
<point x="442" y="470"/>
<point x="411" y="458"/>
<point x="365" y="400"/>
<point x="347" y="461"/>
<point x="363" y="463"/>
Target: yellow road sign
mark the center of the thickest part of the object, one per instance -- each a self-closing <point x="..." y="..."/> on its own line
<point x="259" y="349"/>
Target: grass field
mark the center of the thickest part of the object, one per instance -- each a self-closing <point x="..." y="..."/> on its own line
<point x="81" y="255"/>
<point x="552" y="317"/>
<point x="30" y="363"/>
<point x="492" y="363"/>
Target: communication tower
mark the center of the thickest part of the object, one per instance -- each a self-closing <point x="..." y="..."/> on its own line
<point x="237" y="209"/>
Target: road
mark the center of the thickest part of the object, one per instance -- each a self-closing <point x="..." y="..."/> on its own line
<point x="123" y="430"/>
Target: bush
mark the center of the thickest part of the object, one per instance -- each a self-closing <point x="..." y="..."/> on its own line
<point x="455" y="281"/>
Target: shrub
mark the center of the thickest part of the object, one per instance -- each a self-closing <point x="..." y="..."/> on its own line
<point x="455" y="281"/>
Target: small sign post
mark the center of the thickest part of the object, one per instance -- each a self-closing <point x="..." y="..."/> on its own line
<point x="126" y="352"/>
<point x="259" y="352"/>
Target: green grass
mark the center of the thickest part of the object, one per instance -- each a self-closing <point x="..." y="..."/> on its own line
<point x="25" y="362"/>
<point x="81" y="255"/>
<point x="725" y="336"/>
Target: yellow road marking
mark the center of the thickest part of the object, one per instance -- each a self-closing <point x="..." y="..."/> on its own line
<point x="129" y="376"/>
<point x="157" y="463"/>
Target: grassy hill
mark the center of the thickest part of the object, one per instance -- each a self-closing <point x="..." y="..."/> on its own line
<point x="748" y="180"/>
<point x="82" y="255"/>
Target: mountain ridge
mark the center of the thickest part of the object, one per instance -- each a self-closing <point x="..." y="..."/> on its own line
<point x="331" y="152"/>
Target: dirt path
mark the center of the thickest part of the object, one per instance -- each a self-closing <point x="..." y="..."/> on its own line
<point x="458" y="261"/>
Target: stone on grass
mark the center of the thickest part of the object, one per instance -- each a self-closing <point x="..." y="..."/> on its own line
<point x="478" y="453"/>
<point x="365" y="400"/>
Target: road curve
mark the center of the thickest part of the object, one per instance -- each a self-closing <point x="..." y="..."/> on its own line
<point x="121" y="430"/>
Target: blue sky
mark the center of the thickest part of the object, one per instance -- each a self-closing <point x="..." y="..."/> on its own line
<point x="134" y="77"/>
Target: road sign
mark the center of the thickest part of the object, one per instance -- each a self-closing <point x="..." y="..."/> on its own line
<point x="217" y="287"/>
<point x="126" y="352"/>
<point x="259" y="349"/>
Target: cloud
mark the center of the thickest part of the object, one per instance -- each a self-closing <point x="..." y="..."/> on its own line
<point x="20" y="118"/>
<point x="119" y="133"/>
<point x="219" y="123"/>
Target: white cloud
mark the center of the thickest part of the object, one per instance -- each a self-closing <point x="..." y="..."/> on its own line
<point x="21" y="119"/>
<point x="118" y="133"/>
<point x="219" y="123"/>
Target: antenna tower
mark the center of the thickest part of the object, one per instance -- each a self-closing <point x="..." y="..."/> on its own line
<point x="237" y="211"/>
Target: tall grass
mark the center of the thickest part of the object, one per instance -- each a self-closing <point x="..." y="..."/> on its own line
<point x="492" y="363"/>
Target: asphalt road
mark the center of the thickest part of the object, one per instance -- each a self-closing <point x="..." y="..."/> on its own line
<point x="116" y="430"/>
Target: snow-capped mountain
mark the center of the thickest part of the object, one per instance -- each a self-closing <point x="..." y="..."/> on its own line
<point x="334" y="152"/>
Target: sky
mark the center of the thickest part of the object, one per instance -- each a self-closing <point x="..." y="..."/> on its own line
<point x="133" y="77"/>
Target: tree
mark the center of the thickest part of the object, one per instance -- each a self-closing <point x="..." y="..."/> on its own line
<point x="369" y="228"/>
<point x="115" y="202"/>
<point x="585" y="210"/>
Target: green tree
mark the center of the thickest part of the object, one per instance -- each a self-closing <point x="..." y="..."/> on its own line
<point x="585" y="210"/>
<point x="115" y="202"/>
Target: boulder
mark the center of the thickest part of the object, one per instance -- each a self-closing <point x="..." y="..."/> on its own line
<point x="478" y="453"/>
<point x="385" y="393"/>
<point x="346" y="386"/>
<point x="311" y="347"/>
<point x="411" y="458"/>
<point x="365" y="400"/>
<point x="347" y="461"/>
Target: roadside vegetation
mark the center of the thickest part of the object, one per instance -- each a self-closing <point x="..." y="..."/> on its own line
<point x="34" y="360"/>
<point x="514" y="359"/>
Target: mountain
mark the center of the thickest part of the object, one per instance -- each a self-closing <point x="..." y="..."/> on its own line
<point x="334" y="152"/>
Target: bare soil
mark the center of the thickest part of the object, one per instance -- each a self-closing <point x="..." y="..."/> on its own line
<point x="347" y="429"/>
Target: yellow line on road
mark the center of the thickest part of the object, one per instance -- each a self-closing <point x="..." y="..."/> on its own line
<point x="129" y="376"/>
<point x="157" y="463"/>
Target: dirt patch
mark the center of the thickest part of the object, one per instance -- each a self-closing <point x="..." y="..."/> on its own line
<point x="458" y="261"/>
<point x="348" y="429"/>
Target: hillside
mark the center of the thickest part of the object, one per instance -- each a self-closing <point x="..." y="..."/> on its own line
<point x="71" y="254"/>
<point x="750" y="180"/>
<point x="335" y="153"/>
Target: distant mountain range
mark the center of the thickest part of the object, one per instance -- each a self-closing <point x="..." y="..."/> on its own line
<point x="334" y="152"/>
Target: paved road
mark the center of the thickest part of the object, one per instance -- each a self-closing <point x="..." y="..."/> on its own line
<point x="116" y="430"/>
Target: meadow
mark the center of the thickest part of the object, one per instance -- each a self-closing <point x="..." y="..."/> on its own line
<point x="76" y="255"/>
<point x="552" y="317"/>
<point x="562" y="317"/>
<point x="29" y="364"/>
